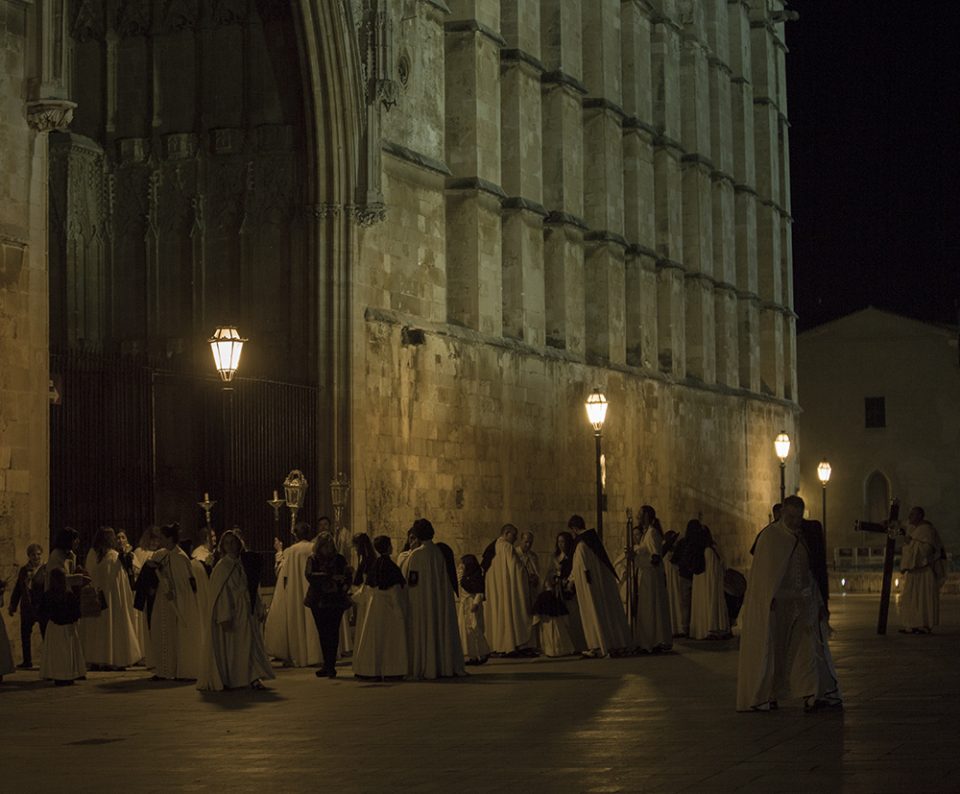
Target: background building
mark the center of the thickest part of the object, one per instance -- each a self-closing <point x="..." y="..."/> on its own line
<point x="881" y="401"/>
<point x="441" y="223"/>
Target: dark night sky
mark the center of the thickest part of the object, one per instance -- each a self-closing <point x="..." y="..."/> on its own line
<point x="874" y="104"/>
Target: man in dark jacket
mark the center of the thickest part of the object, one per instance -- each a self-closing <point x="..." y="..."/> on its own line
<point x="26" y="595"/>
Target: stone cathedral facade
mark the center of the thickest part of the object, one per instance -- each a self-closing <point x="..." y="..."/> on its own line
<point x="455" y="218"/>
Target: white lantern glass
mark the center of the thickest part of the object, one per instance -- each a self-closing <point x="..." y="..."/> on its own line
<point x="226" y="345"/>
<point x="597" y="409"/>
<point x="823" y="471"/>
<point x="782" y="445"/>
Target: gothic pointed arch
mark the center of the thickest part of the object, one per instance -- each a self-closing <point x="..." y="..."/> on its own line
<point x="876" y="496"/>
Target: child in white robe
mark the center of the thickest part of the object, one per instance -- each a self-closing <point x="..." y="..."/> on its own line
<point x="470" y="611"/>
<point x="233" y="654"/>
<point x="381" y="650"/>
<point x="556" y="610"/>
<point x="63" y="661"/>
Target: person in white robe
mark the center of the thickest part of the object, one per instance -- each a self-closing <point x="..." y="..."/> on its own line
<point x="678" y="587"/>
<point x="784" y="646"/>
<point x="433" y="633"/>
<point x="381" y="651"/>
<point x="473" y="638"/>
<point x="649" y="610"/>
<point x="605" y="626"/>
<point x="109" y="639"/>
<point x="709" y="617"/>
<point x="506" y="591"/>
<point x="146" y="546"/>
<point x="233" y="656"/>
<point x="411" y="543"/>
<point x="175" y="622"/>
<point x="923" y="563"/>
<point x="204" y="551"/>
<point x="63" y="556"/>
<point x="556" y="612"/>
<point x="290" y="631"/>
<point x="62" y="660"/>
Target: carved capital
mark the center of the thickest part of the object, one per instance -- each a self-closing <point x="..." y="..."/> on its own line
<point x="46" y="115"/>
<point x="369" y="214"/>
<point x="323" y="211"/>
<point x="388" y="92"/>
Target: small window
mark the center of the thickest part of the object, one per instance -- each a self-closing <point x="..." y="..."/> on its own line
<point x="875" y="412"/>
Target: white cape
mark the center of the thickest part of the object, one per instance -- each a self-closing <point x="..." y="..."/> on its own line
<point x="233" y="654"/>
<point x="708" y="607"/>
<point x="381" y="633"/>
<point x="175" y="624"/>
<point x="601" y="612"/>
<point x="757" y="675"/>
<point x="472" y="635"/>
<point x="140" y="556"/>
<point x="111" y="637"/>
<point x="651" y="625"/>
<point x="434" y="637"/>
<point x="506" y="610"/>
<point x="923" y="575"/>
<point x="62" y="654"/>
<point x="291" y="634"/>
<point x="678" y="594"/>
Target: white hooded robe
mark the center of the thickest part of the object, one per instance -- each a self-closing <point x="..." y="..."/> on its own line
<point x="604" y="622"/>
<point x="506" y="610"/>
<point x="111" y="637"/>
<point x="291" y="634"/>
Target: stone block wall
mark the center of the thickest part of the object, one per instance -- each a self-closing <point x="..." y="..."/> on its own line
<point x="24" y="487"/>
<point x="606" y="204"/>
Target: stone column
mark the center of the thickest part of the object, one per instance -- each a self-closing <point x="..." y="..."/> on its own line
<point x="745" y="198"/>
<point x="522" y="164"/>
<point x="696" y="171"/>
<point x="562" y="117"/>
<point x="603" y="182"/>
<point x="638" y="184"/>
<point x="473" y="226"/>
<point x="764" y="46"/>
<point x="665" y="41"/>
<point x="723" y="196"/>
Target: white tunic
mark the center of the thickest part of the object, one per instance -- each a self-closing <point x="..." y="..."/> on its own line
<point x="434" y="637"/>
<point x="506" y="611"/>
<point x="651" y="624"/>
<point x="111" y="637"/>
<point x="604" y="622"/>
<point x="140" y="556"/>
<point x="708" y="607"/>
<point x="472" y="635"/>
<point x="678" y="594"/>
<point x="175" y="625"/>
<point x="783" y="636"/>
<point x="924" y="574"/>
<point x="291" y="634"/>
<point x="381" y="633"/>
<point x="62" y="654"/>
<point x="234" y="655"/>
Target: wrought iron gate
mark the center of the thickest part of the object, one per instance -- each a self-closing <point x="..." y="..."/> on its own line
<point x="133" y="445"/>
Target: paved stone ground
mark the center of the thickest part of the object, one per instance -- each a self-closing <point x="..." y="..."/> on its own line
<point x="642" y="724"/>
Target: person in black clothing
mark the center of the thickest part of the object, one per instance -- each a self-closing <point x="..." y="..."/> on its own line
<point x="366" y="557"/>
<point x="26" y="595"/>
<point x="329" y="577"/>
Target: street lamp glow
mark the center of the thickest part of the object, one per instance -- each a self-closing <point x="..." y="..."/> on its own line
<point x="226" y="345"/>
<point x="823" y="472"/>
<point x="782" y="445"/>
<point x="596" y="409"/>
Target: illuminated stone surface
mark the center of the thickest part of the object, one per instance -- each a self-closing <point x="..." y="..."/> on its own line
<point x="643" y="724"/>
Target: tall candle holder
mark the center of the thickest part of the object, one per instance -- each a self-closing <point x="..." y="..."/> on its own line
<point x="207" y="505"/>
<point x="276" y="503"/>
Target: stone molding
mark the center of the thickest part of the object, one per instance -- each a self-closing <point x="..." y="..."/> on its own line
<point x="476" y="183"/>
<point x="561" y="78"/>
<point x="473" y="26"/>
<point x="415" y="158"/>
<point x="561" y="218"/>
<point x="47" y="115"/>
<point x="524" y="204"/>
<point x="606" y="237"/>
<point x="512" y="57"/>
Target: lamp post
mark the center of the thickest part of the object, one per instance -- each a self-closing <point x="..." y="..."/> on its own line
<point x="339" y="490"/>
<point x="596" y="406"/>
<point x="226" y="344"/>
<point x="294" y="488"/>
<point x="823" y="474"/>
<point x="782" y="446"/>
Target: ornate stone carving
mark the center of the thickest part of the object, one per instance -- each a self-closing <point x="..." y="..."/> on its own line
<point x="324" y="211"/>
<point x="46" y="115"/>
<point x="180" y="15"/>
<point x="229" y="12"/>
<point x="180" y="145"/>
<point x="88" y="22"/>
<point x="369" y="214"/>
<point x="133" y="18"/>
<point x="132" y="150"/>
<point x="227" y="140"/>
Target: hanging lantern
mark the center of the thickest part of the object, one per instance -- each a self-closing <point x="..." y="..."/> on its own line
<point x="227" y="345"/>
